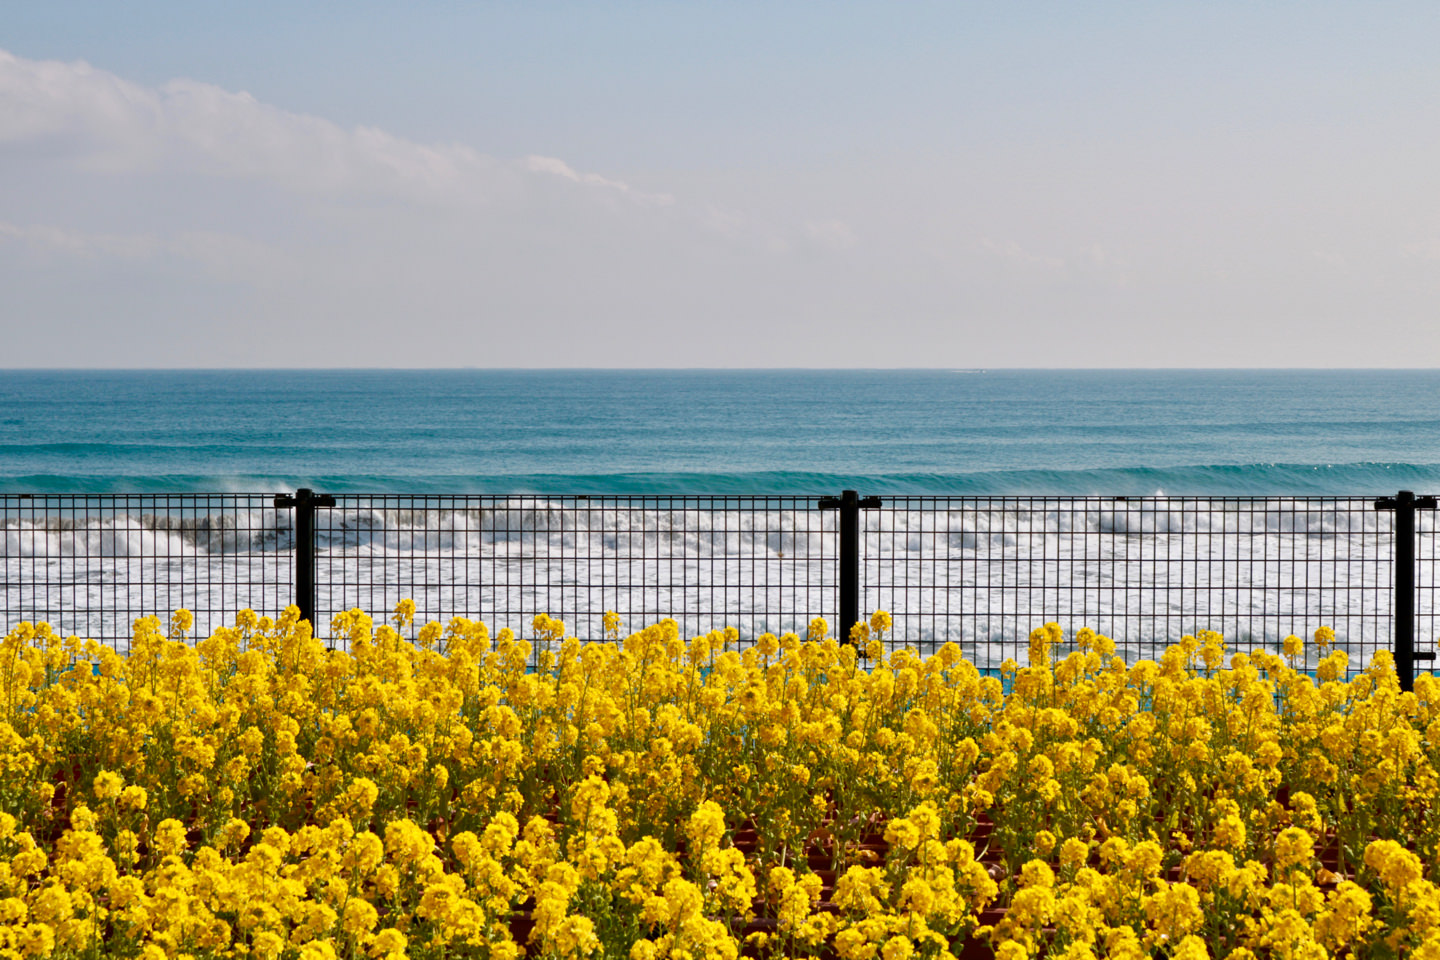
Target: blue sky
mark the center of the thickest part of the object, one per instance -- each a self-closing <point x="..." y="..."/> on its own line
<point x="1016" y="184"/>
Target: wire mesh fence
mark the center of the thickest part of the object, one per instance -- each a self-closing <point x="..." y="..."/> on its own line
<point x="756" y="563"/>
<point x="985" y="571"/>
<point x="90" y="565"/>
<point x="981" y="571"/>
<point x="1427" y="589"/>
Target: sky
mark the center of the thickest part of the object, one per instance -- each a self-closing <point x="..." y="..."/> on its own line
<point x="737" y="184"/>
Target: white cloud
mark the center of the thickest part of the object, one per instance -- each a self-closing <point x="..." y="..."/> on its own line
<point x="222" y="256"/>
<point x="559" y="168"/>
<point x="51" y="239"/>
<point x="1425" y="250"/>
<point x="832" y="233"/>
<point x="129" y="211"/>
<point x="104" y="124"/>
<point x="83" y="122"/>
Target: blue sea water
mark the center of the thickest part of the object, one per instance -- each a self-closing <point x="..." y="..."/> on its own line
<point x="976" y="567"/>
<point x="722" y="431"/>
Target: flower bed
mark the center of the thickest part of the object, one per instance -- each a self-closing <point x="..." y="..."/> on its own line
<point x="256" y="794"/>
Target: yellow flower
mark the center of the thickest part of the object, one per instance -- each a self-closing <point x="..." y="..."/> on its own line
<point x="1073" y="852"/>
<point x="706" y="825"/>
<point x="1011" y="950"/>
<point x="442" y="748"/>
<point x="1191" y="948"/>
<point x="133" y="798"/>
<point x="1396" y="866"/>
<point x="170" y="837"/>
<point x="107" y="785"/>
<point x="1293" y="848"/>
<point x="180" y="623"/>
<point x="1174" y="912"/>
<point x="902" y="833"/>
<point x="1346" y="918"/>
<point x="1037" y="873"/>
<point x="898" y="947"/>
<point x="389" y="944"/>
<point x="317" y="950"/>
<point x="35" y="939"/>
<point x="358" y="918"/>
<point x="1230" y="832"/>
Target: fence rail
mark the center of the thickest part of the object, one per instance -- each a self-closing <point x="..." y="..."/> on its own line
<point x="981" y="571"/>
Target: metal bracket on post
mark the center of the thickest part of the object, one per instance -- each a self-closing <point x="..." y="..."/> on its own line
<point x="849" y="503"/>
<point x="1405" y="503"/>
<point x="304" y="503"/>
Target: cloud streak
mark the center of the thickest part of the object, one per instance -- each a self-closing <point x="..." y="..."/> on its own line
<point x="101" y="123"/>
<point x="331" y="233"/>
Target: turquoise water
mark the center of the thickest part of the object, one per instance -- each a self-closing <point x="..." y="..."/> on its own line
<point x="941" y="431"/>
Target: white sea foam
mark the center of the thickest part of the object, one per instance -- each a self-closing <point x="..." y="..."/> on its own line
<point x="980" y="571"/>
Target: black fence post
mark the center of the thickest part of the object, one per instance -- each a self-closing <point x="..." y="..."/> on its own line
<point x="849" y="503"/>
<point x="1405" y="503"/>
<point x="304" y="503"/>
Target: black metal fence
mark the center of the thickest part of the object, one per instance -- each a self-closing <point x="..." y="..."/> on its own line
<point x="757" y="563"/>
<point x="981" y="571"/>
<point x="91" y="564"/>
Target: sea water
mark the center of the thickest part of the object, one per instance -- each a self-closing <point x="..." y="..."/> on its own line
<point x="703" y="431"/>
<point x="1180" y="439"/>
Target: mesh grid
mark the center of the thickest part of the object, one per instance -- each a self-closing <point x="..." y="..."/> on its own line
<point x="985" y="571"/>
<point x="756" y="563"/>
<point x="1427" y="590"/>
<point x="90" y="565"/>
<point x="982" y="571"/>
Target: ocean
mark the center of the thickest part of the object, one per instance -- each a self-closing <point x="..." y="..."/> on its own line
<point x="1099" y="498"/>
<point x="969" y="432"/>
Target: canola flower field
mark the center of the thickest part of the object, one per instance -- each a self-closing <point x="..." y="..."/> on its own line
<point x="445" y="793"/>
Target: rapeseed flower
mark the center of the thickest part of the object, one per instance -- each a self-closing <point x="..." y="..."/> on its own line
<point x="254" y="793"/>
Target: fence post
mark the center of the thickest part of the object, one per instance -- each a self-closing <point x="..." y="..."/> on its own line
<point x="304" y="503"/>
<point x="849" y="503"/>
<point x="1405" y="503"/>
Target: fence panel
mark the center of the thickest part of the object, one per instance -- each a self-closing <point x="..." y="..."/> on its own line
<point x="984" y="571"/>
<point x="1427" y="590"/>
<point x="756" y="563"/>
<point x="90" y="564"/>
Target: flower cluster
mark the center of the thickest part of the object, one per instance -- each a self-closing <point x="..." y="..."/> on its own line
<point x="444" y="793"/>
